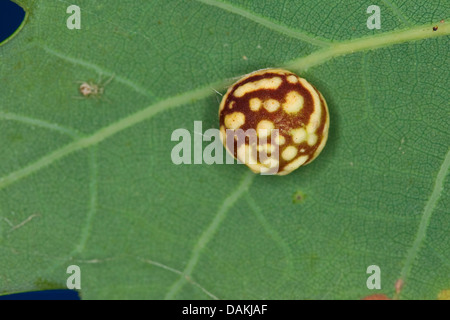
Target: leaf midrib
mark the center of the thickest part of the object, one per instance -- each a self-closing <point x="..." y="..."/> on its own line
<point x="300" y="64"/>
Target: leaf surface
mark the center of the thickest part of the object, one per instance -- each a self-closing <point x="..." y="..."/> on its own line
<point x="90" y="182"/>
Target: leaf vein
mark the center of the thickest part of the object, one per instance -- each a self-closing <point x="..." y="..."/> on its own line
<point x="103" y="134"/>
<point x="100" y="70"/>
<point x="40" y="123"/>
<point x="178" y="272"/>
<point x="207" y="235"/>
<point x="395" y="9"/>
<point x="275" y="236"/>
<point x="293" y="33"/>
<point x="365" y="44"/>
<point x="93" y="190"/>
<point x="426" y="217"/>
<point x="301" y="64"/>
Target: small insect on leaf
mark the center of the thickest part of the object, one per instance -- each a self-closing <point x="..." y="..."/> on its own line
<point x="90" y="89"/>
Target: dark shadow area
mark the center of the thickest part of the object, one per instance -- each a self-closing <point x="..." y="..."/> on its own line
<point x="11" y="17"/>
<point x="44" y="295"/>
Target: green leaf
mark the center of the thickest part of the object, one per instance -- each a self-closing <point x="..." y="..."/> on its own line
<point x="90" y="182"/>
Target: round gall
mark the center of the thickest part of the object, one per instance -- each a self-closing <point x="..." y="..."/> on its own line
<point x="282" y="119"/>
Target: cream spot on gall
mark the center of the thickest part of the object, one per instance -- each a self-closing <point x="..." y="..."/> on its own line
<point x="292" y="79"/>
<point x="267" y="148"/>
<point x="271" y="105"/>
<point x="234" y="120"/>
<point x="263" y="84"/>
<point x="294" y="102"/>
<point x="312" y="139"/>
<point x="280" y="140"/>
<point x="289" y="153"/>
<point x="255" y="104"/>
<point x="298" y="135"/>
<point x="264" y="128"/>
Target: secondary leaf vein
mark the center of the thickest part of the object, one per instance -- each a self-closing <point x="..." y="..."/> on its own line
<point x="397" y="12"/>
<point x="210" y="231"/>
<point x="426" y="217"/>
<point x="100" y="70"/>
<point x="190" y="280"/>
<point x="93" y="190"/>
<point x="293" y="33"/>
<point x="40" y="123"/>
